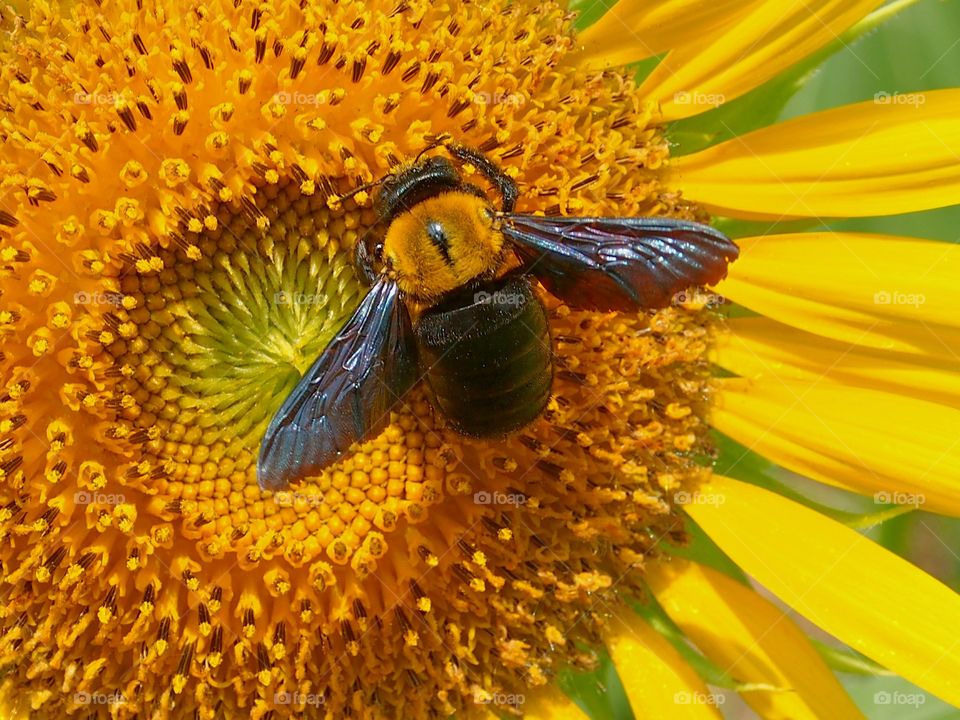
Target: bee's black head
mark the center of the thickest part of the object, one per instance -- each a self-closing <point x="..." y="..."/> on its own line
<point x="424" y="179"/>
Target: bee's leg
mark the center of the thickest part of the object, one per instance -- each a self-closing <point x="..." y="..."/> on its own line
<point x="364" y="257"/>
<point x="504" y="183"/>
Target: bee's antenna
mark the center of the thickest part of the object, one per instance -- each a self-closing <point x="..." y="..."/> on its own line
<point x="365" y="186"/>
<point x="438" y="141"/>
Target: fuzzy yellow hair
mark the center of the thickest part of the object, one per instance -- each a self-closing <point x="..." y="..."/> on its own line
<point x="473" y="245"/>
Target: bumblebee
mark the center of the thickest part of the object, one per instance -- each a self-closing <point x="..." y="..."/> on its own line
<point x="481" y="340"/>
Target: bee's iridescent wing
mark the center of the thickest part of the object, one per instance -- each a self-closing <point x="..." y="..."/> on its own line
<point x="346" y="395"/>
<point x="626" y="264"/>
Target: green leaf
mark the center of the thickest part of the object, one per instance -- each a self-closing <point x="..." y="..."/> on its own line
<point x="734" y="228"/>
<point x="599" y="693"/>
<point x="705" y="551"/>
<point x="589" y="11"/>
<point x="849" y="661"/>
<point x="739" y="462"/>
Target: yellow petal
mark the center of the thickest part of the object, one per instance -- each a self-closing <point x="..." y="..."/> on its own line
<point x="856" y="590"/>
<point x="551" y="705"/>
<point x="893" y="155"/>
<point x="893" y="447"/>
<point x="753" y="640"/>
<point x="884" y="292"/>
<point x="761" y="348"/>
<point x="766" y="39"/>
<point x="635" y="29"/>
<point x="658" y="682"/>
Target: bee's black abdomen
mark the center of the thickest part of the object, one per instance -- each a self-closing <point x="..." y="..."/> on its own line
<point x="486" y="355"/>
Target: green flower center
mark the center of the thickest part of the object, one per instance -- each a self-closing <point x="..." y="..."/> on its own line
<point x="232" y="320"/>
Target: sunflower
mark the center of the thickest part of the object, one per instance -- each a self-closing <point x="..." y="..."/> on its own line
<point x="175" y="250"/>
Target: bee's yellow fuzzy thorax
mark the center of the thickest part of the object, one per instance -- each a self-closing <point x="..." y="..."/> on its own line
<point x="470" y="247"/>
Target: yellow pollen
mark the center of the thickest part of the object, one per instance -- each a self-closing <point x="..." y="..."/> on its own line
<point x="177" y="245"/>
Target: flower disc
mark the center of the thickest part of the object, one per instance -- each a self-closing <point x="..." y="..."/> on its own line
<point x="175" y="253"/>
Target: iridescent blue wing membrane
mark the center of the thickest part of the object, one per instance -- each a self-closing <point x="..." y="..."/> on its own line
<point x="346" y="395"/>
<point x="625" y="264"/>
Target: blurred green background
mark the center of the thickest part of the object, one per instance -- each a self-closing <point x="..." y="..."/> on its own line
<point x="918" y="49"/>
